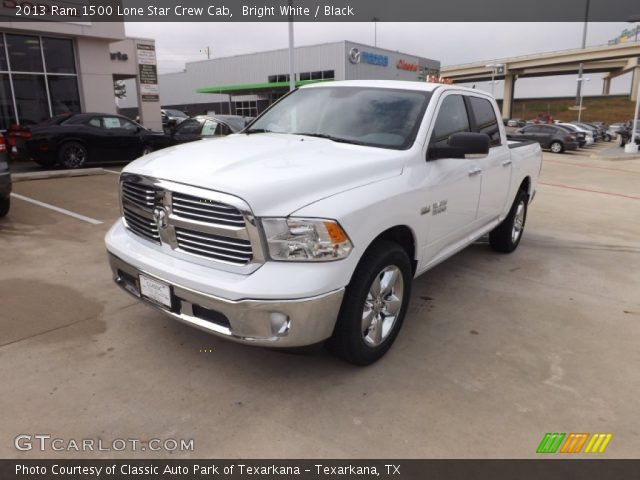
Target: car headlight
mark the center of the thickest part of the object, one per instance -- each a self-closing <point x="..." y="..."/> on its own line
<point x="305" y="239"/>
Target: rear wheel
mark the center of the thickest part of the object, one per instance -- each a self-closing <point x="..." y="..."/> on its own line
<point x="5" y="204"/>
<point x="556" y="147"/>
<point x="607" y="138"/>
<point x="506" y="236"/>
<point x="374" y="305"/>
<point x="72" y="155"/>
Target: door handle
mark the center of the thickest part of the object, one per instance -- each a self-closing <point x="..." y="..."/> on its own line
<point x="506" y="163"/>
<point x="474" y="172"/>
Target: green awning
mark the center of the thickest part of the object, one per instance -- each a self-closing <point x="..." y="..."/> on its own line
<point x="255" y="88"/>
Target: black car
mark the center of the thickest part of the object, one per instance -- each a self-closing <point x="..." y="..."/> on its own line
<point x="197" y="128"/>
<point x="5" y="180"/>
<point x="551" y="137"/>
<point x="74" y="139"/>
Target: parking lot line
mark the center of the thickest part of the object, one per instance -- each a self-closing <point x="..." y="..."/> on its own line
<point x="93" y="221"/>
<point x="558" y="185"/>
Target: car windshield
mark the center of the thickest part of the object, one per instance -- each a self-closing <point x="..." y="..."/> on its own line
<point x="377" y="117"/>
<point x="176" y="113"/>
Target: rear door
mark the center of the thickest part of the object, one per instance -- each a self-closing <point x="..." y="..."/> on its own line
<point x="496" y="166"/>
<point x="452" y="191"/>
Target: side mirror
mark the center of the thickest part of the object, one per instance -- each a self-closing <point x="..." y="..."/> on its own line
<point x="459" y="145"/>
<point x="519" y="130"/>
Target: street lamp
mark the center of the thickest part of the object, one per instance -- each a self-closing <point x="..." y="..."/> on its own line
<point x="495" y="68"/>
<point x="581" y="90"/>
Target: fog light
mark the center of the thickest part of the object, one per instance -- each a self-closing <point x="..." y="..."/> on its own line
<point x="279" y="323"/>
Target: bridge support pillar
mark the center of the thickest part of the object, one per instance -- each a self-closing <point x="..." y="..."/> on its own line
<point x="635" y="83"/>
<point x="507" y="98"/>
<point x="606" y="86"/>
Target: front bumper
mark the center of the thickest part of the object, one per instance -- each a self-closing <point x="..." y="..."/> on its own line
<point x="267" y="323"/>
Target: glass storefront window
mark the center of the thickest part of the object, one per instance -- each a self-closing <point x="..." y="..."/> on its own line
<point x="6" y="104"/>
<point x="58" y="55"/>
<point x="64" y="94"/>
<point x="3" y="56"/>
<point x="24" y="53"/>
<point x="31" y="98"/>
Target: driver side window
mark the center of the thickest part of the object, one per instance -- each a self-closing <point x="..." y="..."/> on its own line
<point x="189" y="127"/>
<point x="452" y="118"/>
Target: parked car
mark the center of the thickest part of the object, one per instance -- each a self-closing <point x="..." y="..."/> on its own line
<point x="613" y="130"/>
<point x="602" y="130"/>
<point x="597" y="135"/>
<point x="311" y="224"/>
<point x="74" y="139"/>
<point x="624" y="136"/>
<point x="171" y="118"/>
<point x="197" y="128"/>
<point x="5" y="179"/>
<point x="550" y="137"/>
<point x="583" y="136"/>
<point x="516" y="122"/>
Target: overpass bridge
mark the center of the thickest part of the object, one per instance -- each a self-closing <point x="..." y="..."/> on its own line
<point x="613" y="60"/>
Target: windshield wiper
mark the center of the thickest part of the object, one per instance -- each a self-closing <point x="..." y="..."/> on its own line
<point x="331" y="137"/>
<point x="256" y="130"/>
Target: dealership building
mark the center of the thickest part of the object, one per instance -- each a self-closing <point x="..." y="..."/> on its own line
<point x="247" y="84"/>
<point x="49" y="68"/>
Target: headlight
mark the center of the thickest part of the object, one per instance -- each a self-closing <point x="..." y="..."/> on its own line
<point x="306" y="240"/>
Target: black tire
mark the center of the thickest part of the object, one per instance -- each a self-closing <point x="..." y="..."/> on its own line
<point x="503" y="238"/>
<point x="5" y="204"/>
<point x="146" y="150"/>
<point x="72" y="155"/>
<point x="556" y="147"/>
<point x="607" y="138"/>
<point x="350" y="341"/>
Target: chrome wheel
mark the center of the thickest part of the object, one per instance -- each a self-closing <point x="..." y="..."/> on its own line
<point x="382" y="305"/>
<point x="556" y="147"/>
<point x="518" y="222"/>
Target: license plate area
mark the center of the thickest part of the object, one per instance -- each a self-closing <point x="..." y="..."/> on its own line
<point x="156" y="291"/>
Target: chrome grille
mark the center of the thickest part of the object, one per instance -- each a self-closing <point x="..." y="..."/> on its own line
<point x="233" y="250"/>
<point x="191" y="221"/>
<point x="205" y="210"/>
<point x="137" y="208"/>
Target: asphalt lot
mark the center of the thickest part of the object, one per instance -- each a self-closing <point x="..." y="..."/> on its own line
<point x="495" y="352"/>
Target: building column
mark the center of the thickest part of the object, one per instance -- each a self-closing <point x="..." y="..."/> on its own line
<point x="635" y="83"/>
<point x="606" y="86"/>
<point x="507" y="97"/>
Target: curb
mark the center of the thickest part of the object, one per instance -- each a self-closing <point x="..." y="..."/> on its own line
<point x="27" y="176"/>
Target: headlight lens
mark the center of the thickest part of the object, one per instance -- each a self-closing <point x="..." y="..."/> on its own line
<point x="306" y="240"/>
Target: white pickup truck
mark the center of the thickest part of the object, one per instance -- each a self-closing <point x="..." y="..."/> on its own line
<point x="310" y="224"/>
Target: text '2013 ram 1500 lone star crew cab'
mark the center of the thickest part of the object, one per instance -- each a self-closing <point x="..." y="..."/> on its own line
<point x="311" y="223"/>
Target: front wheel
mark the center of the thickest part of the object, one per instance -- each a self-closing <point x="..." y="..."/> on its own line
<point x="506" y="236"/>
<point x="556" y="147"/>
<point x="5" y="204"/>
<point x="374" y="305"/>
<point x="72" y="155"/>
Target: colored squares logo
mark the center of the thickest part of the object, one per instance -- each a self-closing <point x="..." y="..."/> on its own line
<point x="574" y="443"/>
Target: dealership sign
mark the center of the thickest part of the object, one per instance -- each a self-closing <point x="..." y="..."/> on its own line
<point x="356" y="56"/>
<point x="410" y="67"/>
<point x="148" y="72"/>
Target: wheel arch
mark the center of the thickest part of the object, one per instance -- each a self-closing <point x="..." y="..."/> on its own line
<point x="404" y="236"/>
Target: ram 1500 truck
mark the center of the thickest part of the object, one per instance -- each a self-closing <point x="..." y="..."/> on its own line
<point x="310" y="224"/>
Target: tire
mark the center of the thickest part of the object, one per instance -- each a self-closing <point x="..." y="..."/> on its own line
<point x="5" y="204"/>
<point x="72" y="155"/>
<point x="607" y="138"/>
<point x="506" y="237"/>
<point x="146" y="150"/>
<point x="556" y="147"/>
<point x="387" y="265"/>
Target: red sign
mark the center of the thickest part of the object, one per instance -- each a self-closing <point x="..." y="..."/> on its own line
<point x="436" y="79"/>
<point x="411" y="67"/>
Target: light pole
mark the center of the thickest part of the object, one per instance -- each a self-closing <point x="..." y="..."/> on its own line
<point x="375" y="21"/>
<point x="292" y="68"/>
<point x="584" y="44"/>
<point x="580" y="81"/>
<point x="631" y="147"/>
<point x="495" y="68"/>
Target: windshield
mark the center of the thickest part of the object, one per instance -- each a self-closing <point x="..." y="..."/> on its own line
<point x="176" y="113"/>
<point x="377" y="117"/>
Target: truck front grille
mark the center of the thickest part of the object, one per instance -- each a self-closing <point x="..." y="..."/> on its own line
<point x="190" y="224"/>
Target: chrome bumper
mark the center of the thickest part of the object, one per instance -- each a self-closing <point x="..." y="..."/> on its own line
<point x="266" y="323"/>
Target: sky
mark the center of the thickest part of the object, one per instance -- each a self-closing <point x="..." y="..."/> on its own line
<point x="450" y="43"/>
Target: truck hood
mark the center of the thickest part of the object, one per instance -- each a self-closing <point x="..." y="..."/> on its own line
<point x="275" y="173"/>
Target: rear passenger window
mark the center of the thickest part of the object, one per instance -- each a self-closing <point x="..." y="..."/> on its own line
<point x="452" y="118"/>
<point x="486" y="121"/>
